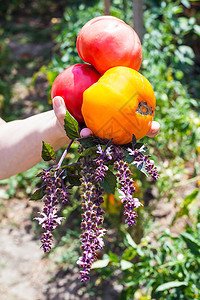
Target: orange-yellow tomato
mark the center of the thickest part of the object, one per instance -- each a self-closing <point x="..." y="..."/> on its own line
<point x="121" y="103"/>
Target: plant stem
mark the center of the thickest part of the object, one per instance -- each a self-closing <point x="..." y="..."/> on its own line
<point x="64" y="154"/>
<point x="107" y="145"/>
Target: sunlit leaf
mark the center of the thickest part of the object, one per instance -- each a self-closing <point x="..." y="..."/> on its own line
<point x="130" y="241"/>
<point x="170" y="285"/>
<point x="101" y="263"/>
<point x="125" y="265"/>
<point x="197" y="29"/>
<point x="186" y="3"/>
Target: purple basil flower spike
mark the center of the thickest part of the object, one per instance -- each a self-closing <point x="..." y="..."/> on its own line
<point x="49" y="219"/>
<point x="126" y="191"/>
<point x="92" y="218"/>
<point x="92" y="172"/>
<point x="105" y="156"/>
<point x="140" y="160"/>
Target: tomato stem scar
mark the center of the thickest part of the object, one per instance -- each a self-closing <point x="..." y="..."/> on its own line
<point x="144" y="109"/>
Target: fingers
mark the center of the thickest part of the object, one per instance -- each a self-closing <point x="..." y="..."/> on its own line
<point x="154" y="130"/>
<point x="59" y="108"/>
<point x="86" y="132"/>
<point x="60" y="112"/>
<point x="155" y="127"/>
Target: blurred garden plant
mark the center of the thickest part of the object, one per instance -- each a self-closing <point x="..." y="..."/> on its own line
<point x="170" y="63"/>
<point x="167" y="268"/>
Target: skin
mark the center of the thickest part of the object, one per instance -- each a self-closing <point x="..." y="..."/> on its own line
<point x="107" y="42"/>
<point x="21" y="140"/>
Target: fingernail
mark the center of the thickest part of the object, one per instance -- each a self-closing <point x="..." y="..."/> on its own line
<point x="155" y="127"/>
<point x="154" y="130"/>
<point x="57" y="101"/>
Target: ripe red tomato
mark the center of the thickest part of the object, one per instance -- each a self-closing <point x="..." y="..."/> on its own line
<point x="107" y="42"/>
<point x="70" y="85"/>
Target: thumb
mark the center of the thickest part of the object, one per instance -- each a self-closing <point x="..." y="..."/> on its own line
<point x="59" y="108"/>
<point x="154" y="130"/>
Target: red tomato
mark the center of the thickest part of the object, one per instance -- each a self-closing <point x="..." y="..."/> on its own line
<point x="70" y="85"/>
<point x="107" y="42"/>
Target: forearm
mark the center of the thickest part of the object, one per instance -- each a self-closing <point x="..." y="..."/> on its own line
<point x="21" y="142"/>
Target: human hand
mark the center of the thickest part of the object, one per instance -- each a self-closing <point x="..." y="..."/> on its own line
<point x="60" y="112"/>
<point x="154" y="130"/>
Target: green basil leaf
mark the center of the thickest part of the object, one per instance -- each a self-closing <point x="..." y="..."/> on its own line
<point x="134" y="141"/>
<point x="92" y="141"/>
<point x="109" y="182"/>
<point x="90" y="152"/>
<point x="71" y="127"/>
<point x="129" y="158"/>
<point x="47" y="152"/>
<point x="39" y="193"/>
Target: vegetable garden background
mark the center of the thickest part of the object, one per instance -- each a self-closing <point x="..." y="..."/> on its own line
<point x="160" y="257"/>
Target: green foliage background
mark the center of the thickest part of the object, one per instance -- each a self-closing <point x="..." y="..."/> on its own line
<point x="163" y="266"/>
